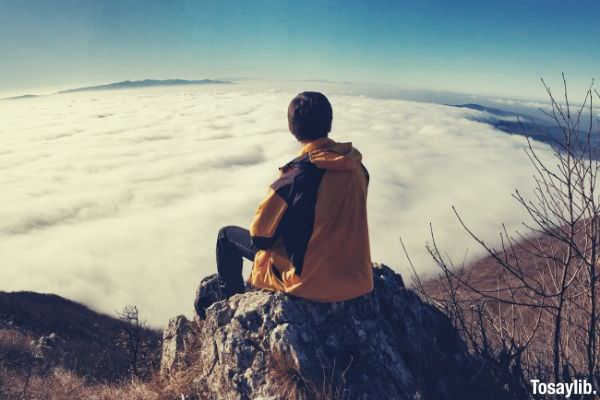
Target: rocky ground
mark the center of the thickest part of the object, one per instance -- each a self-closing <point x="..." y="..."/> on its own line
<point x="385" y="345"/>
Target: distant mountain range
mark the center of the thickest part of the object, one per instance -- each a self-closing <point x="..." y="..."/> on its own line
<point x="494" y="111"/>
<point x="24" y="96"/>
<point x="131" y="85"/>
<point x="519" y="124"/>
<point x="146" y="83"/>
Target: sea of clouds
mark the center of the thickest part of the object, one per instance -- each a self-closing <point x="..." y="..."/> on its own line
<point x="113" y="198"/>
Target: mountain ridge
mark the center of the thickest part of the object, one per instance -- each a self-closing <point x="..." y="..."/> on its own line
<point x="515" y="123"/>
<point x="129" y="84"/>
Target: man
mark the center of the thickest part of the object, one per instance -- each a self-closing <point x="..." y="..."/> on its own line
<point x="309" y="237"/>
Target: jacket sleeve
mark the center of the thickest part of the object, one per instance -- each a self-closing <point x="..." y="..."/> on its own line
<point x="265" y="227"/>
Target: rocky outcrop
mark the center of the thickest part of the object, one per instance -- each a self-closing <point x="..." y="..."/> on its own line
<point x="385" y="345"/>
<point x="48" y="347"/>
<point x="177" y="338"/>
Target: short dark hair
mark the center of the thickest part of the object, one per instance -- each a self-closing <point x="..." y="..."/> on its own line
<point x="309" y="116"/>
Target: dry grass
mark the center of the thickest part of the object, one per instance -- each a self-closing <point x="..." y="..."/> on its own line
<point x="15" y="348"/>
<point x="61" y="384"/>
<point x="23" y="377"/>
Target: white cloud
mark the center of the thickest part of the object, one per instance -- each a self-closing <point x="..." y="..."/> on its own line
<point x="116" y="197"/>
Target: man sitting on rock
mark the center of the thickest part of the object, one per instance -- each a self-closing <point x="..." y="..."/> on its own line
<point x="309" y="237"/>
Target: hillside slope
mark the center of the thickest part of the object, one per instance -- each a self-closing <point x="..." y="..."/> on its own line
<point x="45" y="330"/>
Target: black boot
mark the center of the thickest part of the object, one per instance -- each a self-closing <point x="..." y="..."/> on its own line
<point x="207" y="294"/>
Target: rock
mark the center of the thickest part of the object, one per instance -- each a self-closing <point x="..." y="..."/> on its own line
<point x="384" y="345"/>
<point x="48" y="347"/>
<point x="176" y="340"/>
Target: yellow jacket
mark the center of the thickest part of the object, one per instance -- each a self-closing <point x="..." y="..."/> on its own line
<point x="311" y="230"/>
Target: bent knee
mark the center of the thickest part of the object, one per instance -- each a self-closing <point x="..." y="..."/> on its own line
<point x="224" y="232"/>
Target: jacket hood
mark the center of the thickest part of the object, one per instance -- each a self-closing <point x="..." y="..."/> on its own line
<point x="328" y="154"/>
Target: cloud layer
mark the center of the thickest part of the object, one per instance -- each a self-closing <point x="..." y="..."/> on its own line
<point x="115" y="198"/>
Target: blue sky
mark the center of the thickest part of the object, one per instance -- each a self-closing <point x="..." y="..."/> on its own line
<point x="498" y="48"/>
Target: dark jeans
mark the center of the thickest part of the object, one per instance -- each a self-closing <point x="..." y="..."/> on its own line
<point x="233" y="245"/>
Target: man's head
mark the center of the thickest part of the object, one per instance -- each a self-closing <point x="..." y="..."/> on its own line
<point x="309" y="116"/>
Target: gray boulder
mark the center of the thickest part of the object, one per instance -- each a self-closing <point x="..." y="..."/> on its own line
<point x="48" y="347"/>
<point x="177" y="337"/>
<point x="384" y="345"/>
